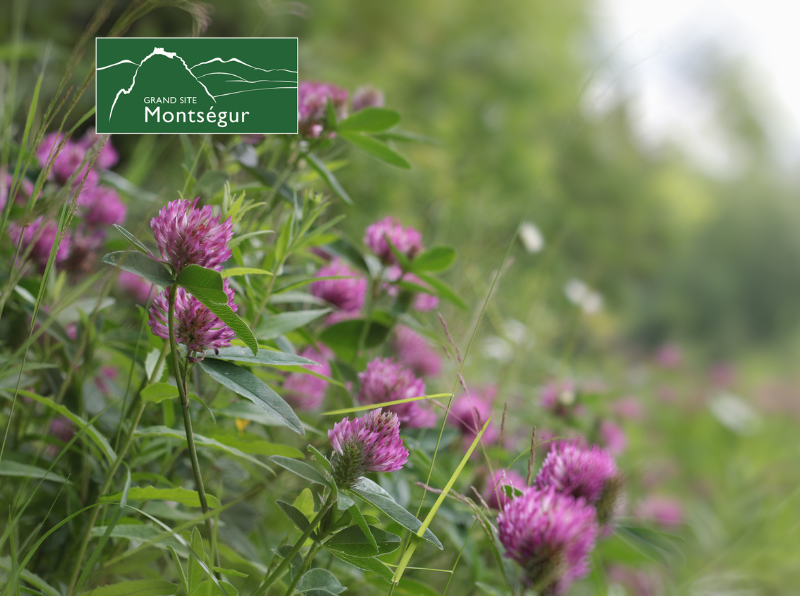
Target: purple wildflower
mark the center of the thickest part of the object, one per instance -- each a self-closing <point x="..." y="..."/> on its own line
<point x="101" y="207"/>
<point x="386" y="380"/>
<point x="627" y="407"/>
<point x="306" y="392"/>
<point x="550" y="535"/>
<point x="367" y="97"/>
<point x="41" y="245"/>
<point x="187" y="235"/>
<point x="582" y="471"/>
<point x="423" y="301"/>
<point x="612" y="437"/>
<point x="664" y="511"/>
<point x="470" y="412"/>
<point x="346" y="294"/>
<point x="108" y="157"/>
<point x="196" y="327"/>
<point x="669" y="356"/>
<point x="415" y="353"/>
<point x="371" y="443"/>
<point x="493" y="491"/>
<point x="312" y="100"/>
<point x="85" y="244"/>
<point x="67" y="161"/>
<point x="640" y="582"/>
<point x="406" y="240"/>
<point x="24" y="189"/>
<point x="135" y="287"/>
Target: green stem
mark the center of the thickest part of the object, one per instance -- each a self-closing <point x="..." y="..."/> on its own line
<point x="187" y="419"/>
<point x="306" y="564"/>
<point x="281" y="568"/>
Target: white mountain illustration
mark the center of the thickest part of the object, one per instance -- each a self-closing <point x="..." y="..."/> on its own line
<point x="220" y="76"/>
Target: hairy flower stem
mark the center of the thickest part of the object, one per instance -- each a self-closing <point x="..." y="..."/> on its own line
<point x="281" y="568"/>
<point x="187" y="420"/>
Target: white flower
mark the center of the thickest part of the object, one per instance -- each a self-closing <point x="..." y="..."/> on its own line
<point x="580" y="294"/>
<point x="531" y="237"/>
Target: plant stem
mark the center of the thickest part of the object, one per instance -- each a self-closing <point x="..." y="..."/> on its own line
<point x="187" y="419"/>
<point x="275" y="575"/>
<point x="306" y="564"/>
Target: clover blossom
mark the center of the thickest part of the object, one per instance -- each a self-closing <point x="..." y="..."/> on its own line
<point x="306" y="392"/>
<point x="188" y="235"/>
<point x="550" y="535"/>
<point x="367" y="97"/>
<point x="586" y="472"/>
<point x="386" y="380"/>
<point x="493" y="492"/>
<point x="39" y="236"/>
<point x="312" y="106"/>
<point x="101" y="207"/>
<point x="406" y="240"/>
<point x="348" y="293"/>
<point x="196" y="327"/>
<point x="371" y="443"/>
<point x="470" y="412"/>
<point x="414" y="352"/>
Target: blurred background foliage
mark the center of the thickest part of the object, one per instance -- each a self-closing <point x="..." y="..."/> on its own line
<point x="679" y="254"/>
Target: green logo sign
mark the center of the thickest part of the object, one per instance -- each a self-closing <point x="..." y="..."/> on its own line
<point x="196" y="85"/>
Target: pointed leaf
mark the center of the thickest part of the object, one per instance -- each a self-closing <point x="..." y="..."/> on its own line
<point x="12" y="468"/>
<point x="367" y="564"/>
<point x="354" y="542"/>
<point x="302" y="469"/>
<point x="321" y="169"/>
<point x="319" y="582"/>
<point x="249" y="386"/>
<point x="376" y="496"/>
<point x="370" y="120"/>
<point x="377" y="149"/>
<point x="282" y="323"/>
<point x="437" y="258"/>
<point x="134" y="240"/>
<point x="264" y="356"/>
<point x="294" y="514"/>
<point x="142" y="265"/>
<point x="235" y="322"/>
<point x="204" y="284"/>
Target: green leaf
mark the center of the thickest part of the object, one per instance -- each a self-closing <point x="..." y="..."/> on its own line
<point x="208" y="588"/>
<point x="31" y="578"/>
<point x="158" y="392"/>
<point x="370" y="120"/>
<point x="134" y="240"/>
<point x="234" y="271"/>
<point x="12" y="468"/>
<point x="437" y="258"/>
<point x="204" y="284"/>
<point x="282" y="323"/>
<point x="140" y="532"/>
<point x="235" y="322"/>
<point x="377" y="497"/>
<point x="319" y="582"/>
<point x="141" y="587"/>
<point x="317" y="164"/>
<point x="367" y="564"/>
<point x="203" y="441"/>
<point x="358" y="517"/>
<point x="195" y="570"/>
<point x="352" y="541"/>
<point x="142" y="265"/>
<point x="250" y="387"/>
<point x="343" y="337"/>
<point x="150" y="493"/>
<point x="254" y="445"/>
<point x="294" y="514"/>
<point x="317" y="456"/>
<point x="302" y="469"/>
<point x="181" y="573"/>
<point x="343" y="502"/>
<point x="305" y="503"/>
<point x="265" y="356"/>
<point x="377" y="149"/>
<point x="232" y="572"/>
<point x="91" y="432"/>
<point x="443" y="290"/>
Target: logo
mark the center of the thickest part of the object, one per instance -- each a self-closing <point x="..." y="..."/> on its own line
<point x="212" y="85"/>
